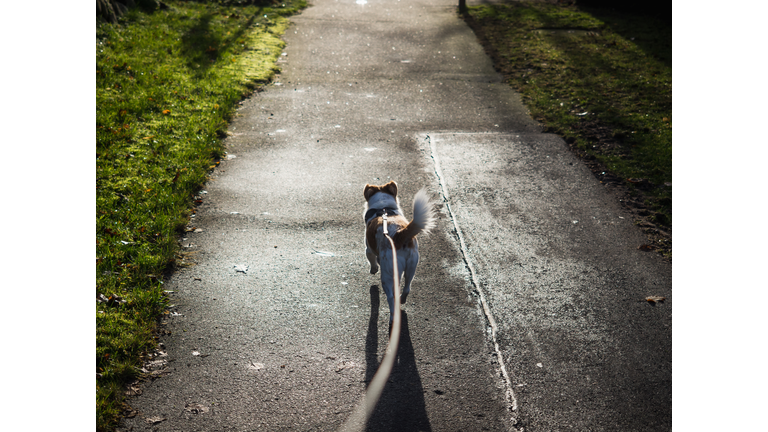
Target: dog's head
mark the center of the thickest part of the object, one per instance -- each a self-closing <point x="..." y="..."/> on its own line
<point x="389" y="188"/>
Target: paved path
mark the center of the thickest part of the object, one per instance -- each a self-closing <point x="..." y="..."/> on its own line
<point x="401" y="90"/>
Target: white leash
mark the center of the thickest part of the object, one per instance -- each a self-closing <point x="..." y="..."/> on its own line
<point x="359" y="418"/>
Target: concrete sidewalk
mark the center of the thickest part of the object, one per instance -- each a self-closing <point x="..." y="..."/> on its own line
<point x="401" y="90"/>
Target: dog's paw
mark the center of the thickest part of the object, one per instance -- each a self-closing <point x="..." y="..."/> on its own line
<point x="403" y="297"/>
<point x="374" y="270"/>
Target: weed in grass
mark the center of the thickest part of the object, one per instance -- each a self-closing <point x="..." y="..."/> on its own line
<point x="167" y="82"/>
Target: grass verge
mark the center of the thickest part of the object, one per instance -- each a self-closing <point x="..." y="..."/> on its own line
<point x="167" y="82"/>
<point x="602" y="80"/>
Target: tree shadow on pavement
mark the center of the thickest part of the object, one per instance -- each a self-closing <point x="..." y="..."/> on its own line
<point x="401" y="406"/>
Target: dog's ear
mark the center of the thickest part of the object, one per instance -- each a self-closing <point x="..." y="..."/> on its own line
<point x="390" y="188"/>
<point x="369" y="191"/>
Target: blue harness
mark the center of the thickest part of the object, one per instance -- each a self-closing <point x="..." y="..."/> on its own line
<point x="374" y="213"/>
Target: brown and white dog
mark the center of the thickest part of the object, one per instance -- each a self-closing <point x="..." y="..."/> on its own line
<point x="383" y="199"/>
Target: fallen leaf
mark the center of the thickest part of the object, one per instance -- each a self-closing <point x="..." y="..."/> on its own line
<point x="155" y="364"/>
<point x="655" y="299"/>
<point x="166" y="112"/>
<point x="133" y="390"/>
<point x="115" y="300"/>
<point x="155" y="420"/>
<point x="345" y="365"/>
<point x="196" y="408"/>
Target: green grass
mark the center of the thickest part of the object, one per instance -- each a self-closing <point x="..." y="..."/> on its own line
<point x="607" y="89"/>
<point x="167" y="82"/>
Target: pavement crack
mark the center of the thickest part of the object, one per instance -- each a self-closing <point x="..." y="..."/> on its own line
<point x="510" y="394"/>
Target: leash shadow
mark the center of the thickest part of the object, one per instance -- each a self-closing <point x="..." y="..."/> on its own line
<point x="401" y="406"/>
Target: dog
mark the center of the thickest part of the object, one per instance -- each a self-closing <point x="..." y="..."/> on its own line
<point x="378" y="201"/>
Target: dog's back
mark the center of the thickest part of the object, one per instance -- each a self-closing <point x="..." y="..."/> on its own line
<point x="383" y="200"/>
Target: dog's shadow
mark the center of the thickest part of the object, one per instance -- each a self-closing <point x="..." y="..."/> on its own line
<point x="401" y="406"/>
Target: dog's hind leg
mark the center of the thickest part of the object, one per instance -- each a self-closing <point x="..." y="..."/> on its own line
<point x="388" y="280"/>
<point x="410" y="271"/>
<point x="373" y="259"/>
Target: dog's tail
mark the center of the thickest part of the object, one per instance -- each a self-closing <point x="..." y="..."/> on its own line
<point x="423" y="220"/>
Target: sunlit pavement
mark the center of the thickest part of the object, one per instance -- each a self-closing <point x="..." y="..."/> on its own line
<point x="280" y="326"/>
